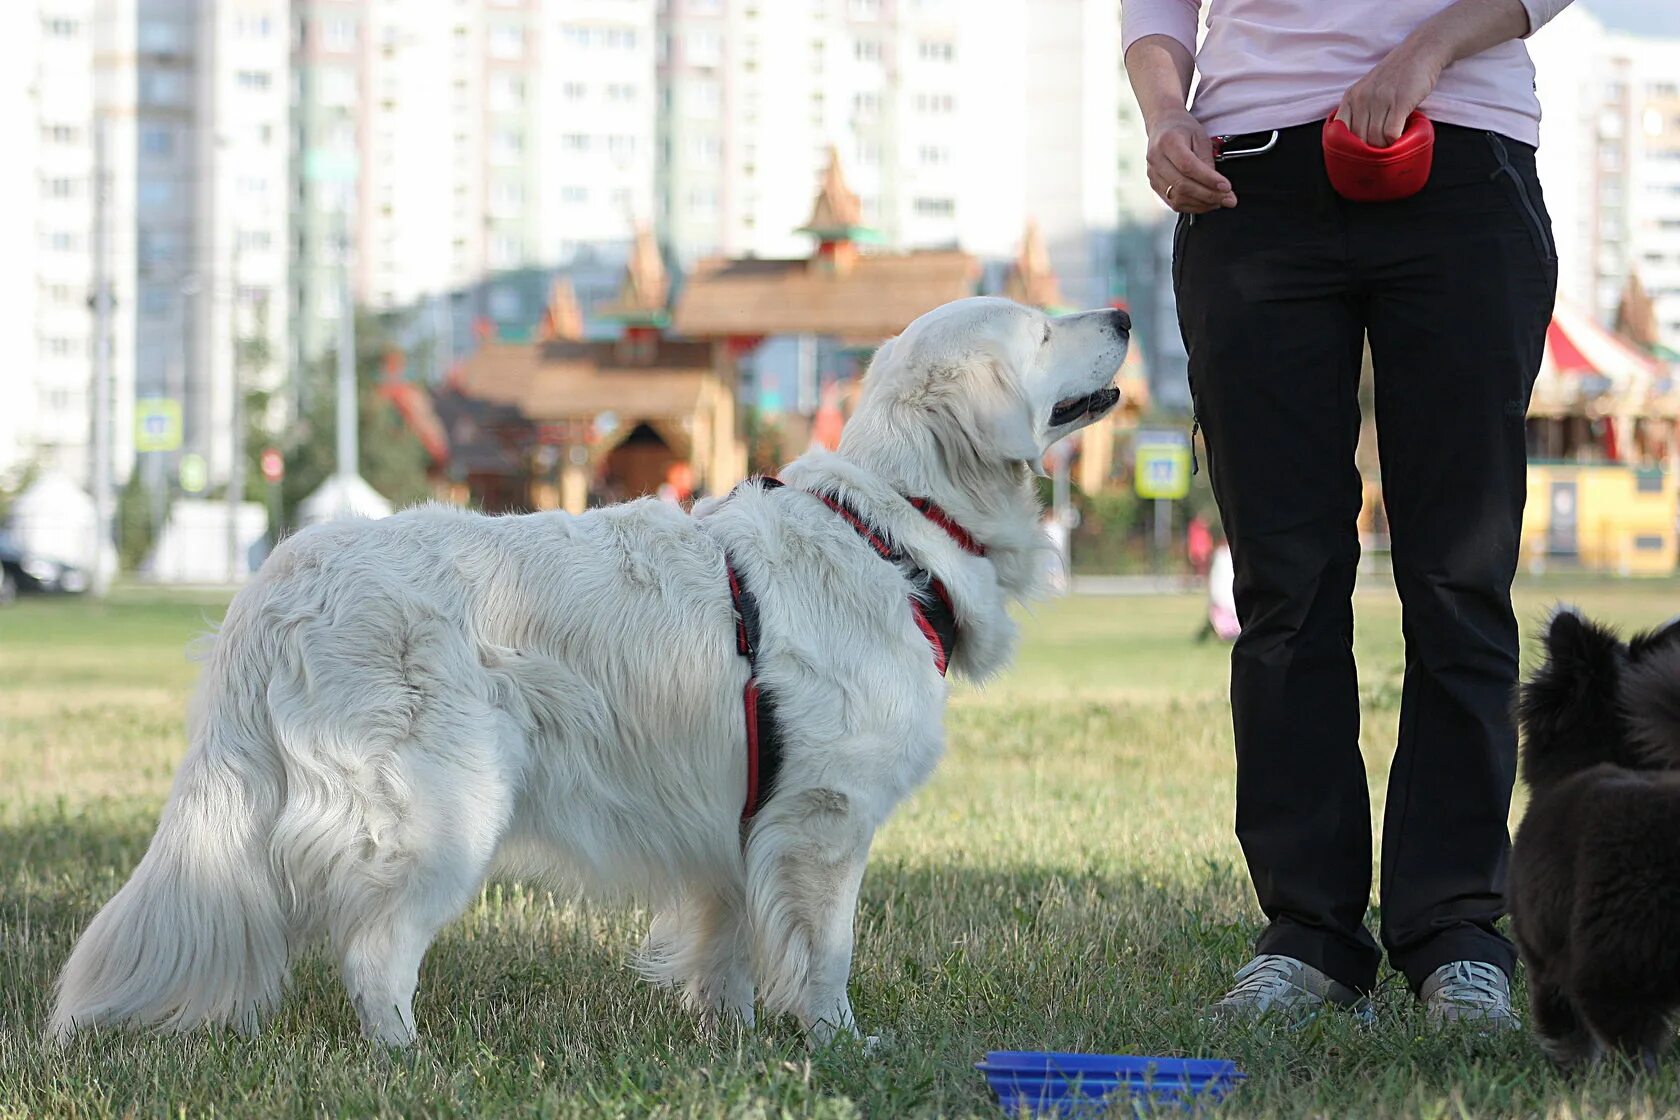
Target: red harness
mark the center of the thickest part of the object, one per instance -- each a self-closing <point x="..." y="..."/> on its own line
<point x="934" y="614"/>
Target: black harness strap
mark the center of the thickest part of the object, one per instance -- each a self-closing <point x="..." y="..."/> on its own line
<point x="935" y="617"/>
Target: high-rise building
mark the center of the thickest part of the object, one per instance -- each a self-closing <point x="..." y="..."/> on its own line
<point x="1610" y="163"/>
<point x="449" y="143"/>
<point x="205" y="133"/>
<point x="956" y="123"/>
<point x="49" y="106"/>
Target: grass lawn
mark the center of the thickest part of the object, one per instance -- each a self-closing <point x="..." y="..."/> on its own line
<point x="1069" y="881"/>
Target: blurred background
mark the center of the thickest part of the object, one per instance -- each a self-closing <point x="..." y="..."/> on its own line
<point x="266" y="261"/>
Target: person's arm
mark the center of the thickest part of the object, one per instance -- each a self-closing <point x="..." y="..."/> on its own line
<point x="1160" y="43"/>
<point x="1376" y="107"/>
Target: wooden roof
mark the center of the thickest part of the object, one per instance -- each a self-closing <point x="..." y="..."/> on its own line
<point x="875" y="298"/>
<point x="1031" y="280"/>
<point x="837" y="211"/>
<point x="646" y="286"/>
<point x="563" y="380"/>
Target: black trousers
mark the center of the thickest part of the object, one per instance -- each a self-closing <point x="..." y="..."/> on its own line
<point x="1453" y="289"/>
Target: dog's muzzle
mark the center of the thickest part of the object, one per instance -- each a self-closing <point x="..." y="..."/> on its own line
<point x="1096" y="404"/>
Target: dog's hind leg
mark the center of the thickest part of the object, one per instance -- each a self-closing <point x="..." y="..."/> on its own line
<point x="702" y="945"/>
<point x="423" y="872"/>
<point x="805" y="861"/>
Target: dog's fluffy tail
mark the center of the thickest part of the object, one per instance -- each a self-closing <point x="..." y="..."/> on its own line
<point x="198" y="934"/>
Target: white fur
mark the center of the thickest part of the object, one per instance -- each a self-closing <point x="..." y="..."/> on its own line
<point x="392" y="706"/>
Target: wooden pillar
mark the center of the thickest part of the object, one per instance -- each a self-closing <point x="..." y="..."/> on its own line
<point x="545" y="496"/>
<point x="1096" y="455"/>
<point x="574" y="486"/>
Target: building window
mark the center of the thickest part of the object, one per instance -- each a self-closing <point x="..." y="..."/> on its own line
<point x="156" y="194"/>
<point x="935" y="207"/>
<point x="621" y="91"/>
<point x="864" y="9"/>
<point x="253" y="240"/>
<point x="623" y="146"/>
<point x="936" y="50"/>
<point x="254" y="27"/>
<point x="507" y="41"/>
<point x="60" y="187"/>
<point x="867" y="50"/>
<point x="573" y="91"/>
<point x="574" y="195"/>
<point x="61" y="28"/>
<point x="162" y="87"/>
<point x="61" y="134"/>
<point x="507" y="92"/>
<point x="575" y="142"/>
<point x="932" y="155"/>
<point x="935" y="103"/>
<point x="254" y="79"/>
<point x="157" y="140"/>
<point x="507" y="145"/>
<point x="339" y="34"/>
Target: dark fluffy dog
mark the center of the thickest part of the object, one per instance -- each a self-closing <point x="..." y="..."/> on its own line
<point x="1595" y="871"/>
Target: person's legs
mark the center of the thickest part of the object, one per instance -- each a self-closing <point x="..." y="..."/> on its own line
<point x="1461" y="279"/>
<point x="1274" y="340"/>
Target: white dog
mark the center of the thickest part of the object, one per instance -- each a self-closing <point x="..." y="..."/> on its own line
<point x="393" y="708"/>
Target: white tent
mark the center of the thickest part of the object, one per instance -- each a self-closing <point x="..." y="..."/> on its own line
<point x="342" y="496"/>
<point x="193" y="547"/>
<point x="55" y="518"/>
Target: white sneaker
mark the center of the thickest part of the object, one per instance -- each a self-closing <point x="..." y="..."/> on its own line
<point x="1469" y="992"/>
<point x="1273" y="985"/>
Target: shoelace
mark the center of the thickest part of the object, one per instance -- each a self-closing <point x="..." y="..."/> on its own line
<point x="1473" y="984"/>
<point x="1263" y="976"/>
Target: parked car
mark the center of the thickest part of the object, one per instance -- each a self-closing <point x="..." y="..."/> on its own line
<point x="22" y="573"/>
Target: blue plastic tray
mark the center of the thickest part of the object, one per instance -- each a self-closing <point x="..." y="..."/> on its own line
<point x="1045" y="1082"/>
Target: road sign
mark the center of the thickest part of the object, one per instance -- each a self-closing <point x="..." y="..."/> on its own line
<point x="273" y="465"/>
<point x="157" y="424"/>
<point x="1162" y="464"/>
<point x="194" y="473"/>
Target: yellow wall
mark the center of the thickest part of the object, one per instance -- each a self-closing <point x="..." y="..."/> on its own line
<point x="1613" y="517"/>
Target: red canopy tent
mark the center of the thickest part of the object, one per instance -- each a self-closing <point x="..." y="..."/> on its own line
<point x="1593" y="388"/>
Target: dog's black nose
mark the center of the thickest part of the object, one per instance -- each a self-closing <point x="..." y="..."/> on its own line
<point x="1122" y="321"/>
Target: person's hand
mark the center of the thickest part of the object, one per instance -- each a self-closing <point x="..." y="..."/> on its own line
<point x="1375" y="108"/>
<point x="1181" y="167"/>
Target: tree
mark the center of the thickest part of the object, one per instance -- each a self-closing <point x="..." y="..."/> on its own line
<point x="393" y="461"/>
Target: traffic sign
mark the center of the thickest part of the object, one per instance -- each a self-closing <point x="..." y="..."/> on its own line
<point x="273" y="465"/>
<point x="1161" y="465"/>
<point x="195" y="474"/>
<point x="157" y="424"/>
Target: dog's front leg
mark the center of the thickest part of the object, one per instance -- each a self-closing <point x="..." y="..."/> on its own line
<point x="805" y="861"/>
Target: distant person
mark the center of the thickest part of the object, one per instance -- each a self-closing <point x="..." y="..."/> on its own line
<point x="1280" y="281"/>
<point x="1198" y="545"/>
<point x="1221" y="597"/>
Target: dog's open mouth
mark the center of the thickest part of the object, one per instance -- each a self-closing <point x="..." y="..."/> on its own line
<point x="1095" y="405"/>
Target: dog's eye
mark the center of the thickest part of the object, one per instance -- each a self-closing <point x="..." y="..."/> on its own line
<point x="1046" y="334"/>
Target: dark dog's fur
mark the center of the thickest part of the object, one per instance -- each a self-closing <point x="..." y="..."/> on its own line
<point x="1595" y="871"/>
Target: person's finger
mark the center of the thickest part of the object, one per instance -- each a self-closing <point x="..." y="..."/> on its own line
<point x="1185" y="193"/>
<point x="1184" y="160"/>
<point x="1394" y="123"/>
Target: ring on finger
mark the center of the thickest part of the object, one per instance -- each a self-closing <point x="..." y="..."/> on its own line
<point x="1168" y="195"/>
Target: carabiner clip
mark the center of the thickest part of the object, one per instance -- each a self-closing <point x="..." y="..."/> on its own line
<point x="1220" y="153"/>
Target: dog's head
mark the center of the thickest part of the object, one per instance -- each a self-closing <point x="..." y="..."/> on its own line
<point x="1573" y="710"/>
<point x="997" y="383"/>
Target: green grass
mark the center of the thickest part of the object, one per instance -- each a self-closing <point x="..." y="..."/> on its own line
<point x="1068" y="881"/>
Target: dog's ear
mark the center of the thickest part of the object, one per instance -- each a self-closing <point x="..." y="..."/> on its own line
<point x="1651" y="698"/>
<point x="978" y="417"/>
<point x="1664" y="637"/>
<point x="1569" y="709"/>
<point x="1016" y="438"/>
